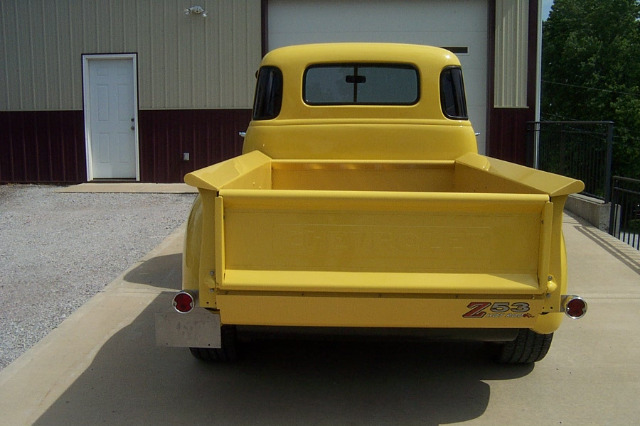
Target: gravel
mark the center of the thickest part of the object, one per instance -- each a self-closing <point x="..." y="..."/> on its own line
<point x="57" y="250"/>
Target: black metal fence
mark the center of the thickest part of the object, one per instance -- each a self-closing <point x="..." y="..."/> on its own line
<point x="625" y="210"/>
<point x="584" y="150"/>
<point x="579" y="149"/>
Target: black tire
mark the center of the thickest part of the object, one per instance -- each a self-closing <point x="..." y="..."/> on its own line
<point x="528" y="347"/>
<point x="227" y="353"/>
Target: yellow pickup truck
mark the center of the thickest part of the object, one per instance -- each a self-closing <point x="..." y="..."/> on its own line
<point x="360" y="204"/>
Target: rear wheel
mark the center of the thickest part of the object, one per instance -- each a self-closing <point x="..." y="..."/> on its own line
<point x="528" y="347"/>
<point x="227" y="353"/>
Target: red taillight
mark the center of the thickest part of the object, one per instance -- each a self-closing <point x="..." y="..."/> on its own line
<point x="183" y="302"/>
<point x="575" y="307"/>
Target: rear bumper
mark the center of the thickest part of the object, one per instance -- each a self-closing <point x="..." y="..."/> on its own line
<point x="496" y="318"/>
<point x="359" y="333"/>
<point x="370" y="315"/>
<point x="201" y="329"/>
<point x="379" y="310"/>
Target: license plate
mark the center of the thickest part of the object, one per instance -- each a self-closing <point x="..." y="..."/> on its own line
<point x="199" y="328"/>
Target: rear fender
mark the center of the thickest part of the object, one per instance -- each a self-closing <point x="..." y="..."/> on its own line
<point x="192" y="247"/>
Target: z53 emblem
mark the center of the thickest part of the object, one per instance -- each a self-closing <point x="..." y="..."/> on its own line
<point x="497" y="309"/>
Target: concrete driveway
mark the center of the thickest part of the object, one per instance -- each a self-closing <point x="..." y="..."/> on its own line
<point x="101" y="365"/>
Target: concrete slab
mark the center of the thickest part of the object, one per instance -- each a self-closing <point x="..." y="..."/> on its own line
<point x="133" y="187"/>
<point x="101" y="365"/>
<point x="35" y="381"/>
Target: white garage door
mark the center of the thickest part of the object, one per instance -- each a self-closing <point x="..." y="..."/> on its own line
<point x="446" y="23"/>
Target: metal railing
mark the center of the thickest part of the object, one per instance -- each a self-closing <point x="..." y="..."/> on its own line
<point x="584" y="150"/>
<point x="578" y="149"/>
<point x="625" y="210"/>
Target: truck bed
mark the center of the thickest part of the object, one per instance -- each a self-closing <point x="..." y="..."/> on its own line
<point x="298" y="238"/>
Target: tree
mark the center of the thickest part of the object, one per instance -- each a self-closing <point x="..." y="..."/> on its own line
<point x="591" y="70"/>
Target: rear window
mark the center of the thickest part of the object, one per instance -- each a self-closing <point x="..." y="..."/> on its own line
<point x="361" y="84"/>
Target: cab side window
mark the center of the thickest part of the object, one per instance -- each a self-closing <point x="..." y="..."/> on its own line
<point x="268" y="97"/>
<point x="452" y="98"/>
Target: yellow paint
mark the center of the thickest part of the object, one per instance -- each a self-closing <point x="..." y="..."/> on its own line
<point x="382" y="216"/>
<point x="368" y="311"/>
<point x="375" y="132"/>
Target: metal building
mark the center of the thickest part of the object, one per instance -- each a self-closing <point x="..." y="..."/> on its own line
<point x="149" y="90"/>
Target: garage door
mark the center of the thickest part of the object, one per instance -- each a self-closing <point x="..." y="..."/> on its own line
<point x="447" y="23"/>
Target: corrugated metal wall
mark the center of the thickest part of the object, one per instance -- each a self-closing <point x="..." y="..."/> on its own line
<point x="511" y="38"/>
<point x="42" y="146"/>
<point x="513" y="58"/>
<point x="184" y="61"/>
<point x="209" y="136"/>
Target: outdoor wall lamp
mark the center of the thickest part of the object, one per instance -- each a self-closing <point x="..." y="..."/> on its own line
<point x="196" y="10"/>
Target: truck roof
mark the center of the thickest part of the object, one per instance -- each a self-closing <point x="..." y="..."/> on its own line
<point x="300" y="56"/>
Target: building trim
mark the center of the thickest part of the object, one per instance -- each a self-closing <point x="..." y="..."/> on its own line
<point x="264" y="16"/>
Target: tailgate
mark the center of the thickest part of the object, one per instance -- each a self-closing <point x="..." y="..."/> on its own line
<point x="382" y="242"/>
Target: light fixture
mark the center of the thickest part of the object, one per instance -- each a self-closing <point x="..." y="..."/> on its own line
<point x="196" y="10"/>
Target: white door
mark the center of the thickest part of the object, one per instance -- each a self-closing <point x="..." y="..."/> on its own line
<point x="111" y="117"/>
<point x="446" y="23"/>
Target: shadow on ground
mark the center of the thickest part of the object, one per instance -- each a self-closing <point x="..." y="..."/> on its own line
<point x="618" y="249"/>
<point x="161" y="271"/>
<point x="131" y="381"/>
